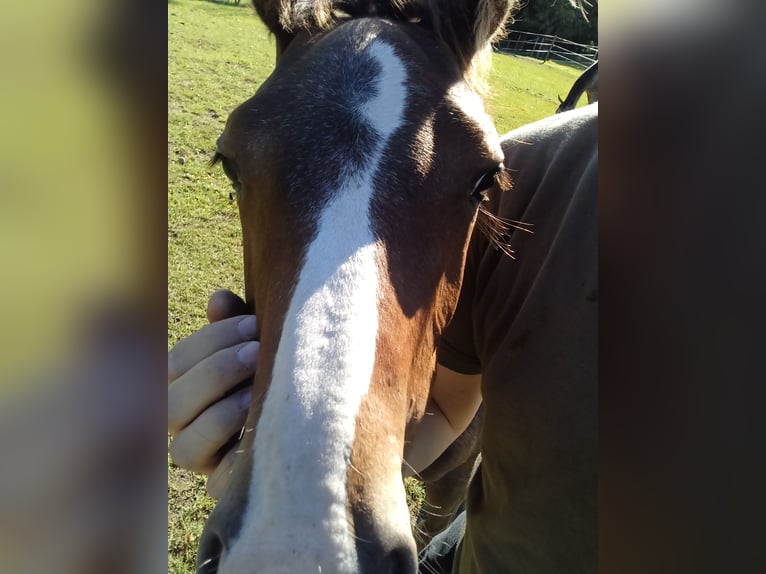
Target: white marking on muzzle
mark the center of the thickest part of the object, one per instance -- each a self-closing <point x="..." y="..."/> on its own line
<point x="297" y="517"/>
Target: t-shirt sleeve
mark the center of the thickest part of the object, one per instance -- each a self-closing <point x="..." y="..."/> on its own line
<point x="457" y="348"/>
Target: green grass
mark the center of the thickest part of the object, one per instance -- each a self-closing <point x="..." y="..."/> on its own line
<point x="524" y="90"/>
<point x="218" y="54"/>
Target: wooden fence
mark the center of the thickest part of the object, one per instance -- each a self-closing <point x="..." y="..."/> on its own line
<point x="545" y="47"/>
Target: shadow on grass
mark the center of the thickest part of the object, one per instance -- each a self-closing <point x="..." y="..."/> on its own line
<point x="233" y="3"/>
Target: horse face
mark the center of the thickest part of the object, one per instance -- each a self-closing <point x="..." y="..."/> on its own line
<point x="357" y="165"/>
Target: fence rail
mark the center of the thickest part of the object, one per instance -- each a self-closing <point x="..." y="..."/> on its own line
<point x="545" y="47"/>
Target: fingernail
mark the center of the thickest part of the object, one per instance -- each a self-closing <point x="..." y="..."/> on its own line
<point x="248" y="353"/>
<point x="245" y="398"/>
<point x="246" y="327"/>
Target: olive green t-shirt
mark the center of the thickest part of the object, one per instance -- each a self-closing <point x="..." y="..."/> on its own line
<point x="529" y="325"/>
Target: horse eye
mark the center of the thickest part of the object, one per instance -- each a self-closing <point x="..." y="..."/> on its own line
<point x="229" y="169"/>
<point x="484" y="184"/>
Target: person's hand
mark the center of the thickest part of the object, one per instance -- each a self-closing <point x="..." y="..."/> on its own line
<point x="206" y="409"/>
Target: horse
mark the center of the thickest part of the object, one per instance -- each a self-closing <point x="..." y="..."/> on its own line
<point x="359" y="168"/>
<point x="586" y="82"/>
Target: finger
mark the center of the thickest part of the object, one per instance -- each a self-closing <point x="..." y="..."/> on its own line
<point x="218" y="480"/>
<point x="224" y="304"/>
<point x="208" y="381"/>
<point x="210" y="339"/>
<point x="197" y="447"/>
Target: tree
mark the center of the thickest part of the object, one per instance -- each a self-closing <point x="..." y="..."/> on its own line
<point x="558" y="17"/>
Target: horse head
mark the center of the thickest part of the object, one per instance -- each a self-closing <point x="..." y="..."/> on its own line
<point x="358" y="165"/>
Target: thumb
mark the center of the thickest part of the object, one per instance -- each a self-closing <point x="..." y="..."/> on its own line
<point x="224" y="304"/>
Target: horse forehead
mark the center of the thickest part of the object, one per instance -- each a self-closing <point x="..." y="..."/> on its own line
<point x="333" y="73"/>
<point x="321" y="112"/>
<point x="323" y="109"/>
<point x="366" y="78"/>
<point x="339" y="72"/>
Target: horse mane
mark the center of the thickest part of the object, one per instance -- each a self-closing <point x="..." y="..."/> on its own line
<point x="468" y="34"/>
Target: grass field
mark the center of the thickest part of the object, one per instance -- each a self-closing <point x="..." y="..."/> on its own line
<point x="218" y="54"/>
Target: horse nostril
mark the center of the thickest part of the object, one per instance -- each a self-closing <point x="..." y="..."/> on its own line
<point x="403" y="560"/>
<point x="209" y="554"/>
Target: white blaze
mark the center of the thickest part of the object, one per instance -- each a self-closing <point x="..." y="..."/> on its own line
<point x="322" y="372"/>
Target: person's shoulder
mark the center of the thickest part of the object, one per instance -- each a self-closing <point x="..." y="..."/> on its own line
<point x="580" y="122"/>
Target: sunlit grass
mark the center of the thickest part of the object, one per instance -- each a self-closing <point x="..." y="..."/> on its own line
<point x="524" y="90"/>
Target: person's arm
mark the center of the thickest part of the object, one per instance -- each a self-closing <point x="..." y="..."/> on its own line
<point x="453" y="402"/>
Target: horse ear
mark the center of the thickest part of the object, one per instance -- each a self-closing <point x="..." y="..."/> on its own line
<point x="491" y="16"/>
<point x="470" y="26"/>
<point x="268" y="11"/>
<point x="271" y="13"/>
<point x="467" y="26"/>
